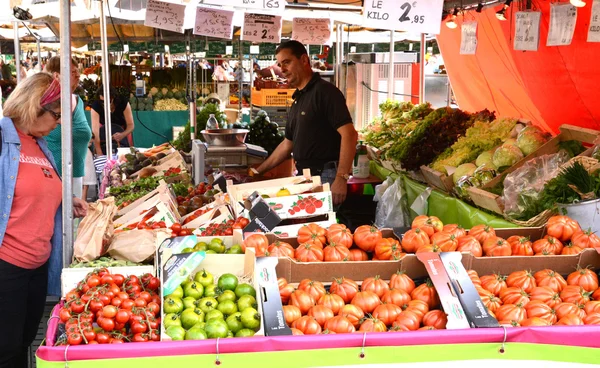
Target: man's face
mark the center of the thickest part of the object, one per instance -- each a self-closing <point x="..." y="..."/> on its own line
<point x="291" y="67"/>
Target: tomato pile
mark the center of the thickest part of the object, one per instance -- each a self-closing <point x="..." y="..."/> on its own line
<point x="196" y="198"/>
<point x="173" y="171"/>
<point x="126" y="309"/>
<point x="224" y="228"/>
<point x="375" y="306"/>
<point x="542" y="298"/>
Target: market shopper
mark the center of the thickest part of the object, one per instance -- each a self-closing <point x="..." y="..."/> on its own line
<point x="81" y="129"/>
<point x="121" y="118"/>
<point x="31" y="221"/>
<point x="319" y="131"/>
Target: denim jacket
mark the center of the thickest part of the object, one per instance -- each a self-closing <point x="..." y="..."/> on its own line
<point x="9" y="168"/>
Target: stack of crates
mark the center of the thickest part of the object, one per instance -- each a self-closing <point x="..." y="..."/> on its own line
<point x="275" y="102"/>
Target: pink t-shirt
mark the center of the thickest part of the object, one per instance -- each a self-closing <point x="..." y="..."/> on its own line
<point x="38" y="193"/>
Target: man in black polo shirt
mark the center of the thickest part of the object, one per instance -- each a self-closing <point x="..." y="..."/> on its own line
<point x="319" y="131"/>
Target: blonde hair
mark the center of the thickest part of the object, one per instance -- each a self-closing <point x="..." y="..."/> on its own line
<point x="53" y="64"/>
<point x="23" y="104"/>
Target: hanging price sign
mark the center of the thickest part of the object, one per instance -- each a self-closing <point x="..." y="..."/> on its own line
<point x="563" y="17"/>
<point x="312" y="31"/>
<point x="270" y="5"/>
<point x="527" y="30"/>
<point x="594" y="30"/>
<point x="261" y="28"/>
<point x="419" y="16"/>
<point x="212" y="22"/>
<point x="468" y="41"/>
<point x="163" y="15"/>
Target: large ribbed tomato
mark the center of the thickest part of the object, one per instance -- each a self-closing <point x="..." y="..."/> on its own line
<point x="302" y="300"/>
<point x="534" y="321"/>
<point x="366" y="237"/>
<point x="353" y="313"/>
<point x="320" y="313"/>
<point x="493" y="283"/>
<point x="446" y="241"/>
<point x="564" y="308"/>
<point x="335" y="252"/>
<point x="536" y="308"/>
<point x="285" y="293"/>
<point x="419" y="307"/>
<point x="339" y="325"/>
<point x="482" y="233"/>
<point x="340" y="234"/>
<point x="570" y="249"/>
<point x="258" y="241"/>
<point x="511" y="312"/>
<point x="356" y="255"/>
<point x="387" y="313"/>
<point x="547" y="277"/>
<point x="291" y="313"/>
<point x="457" y="230"/>
<point x="546" y="295"/>
<point x="281" y="282"/>
<point x="280" y="249"/>
<point x="547" y="245"/>
<point x="585" y="278"/>
<point x="372" y="325"/>
<point x="522" y="279"/>
<point x="586" y="239"/>
<point x="592" y="319"/>
<point x="366" y="300"/>
<point x="468" y="244"/>
<point x="430" y="248"/>
<point x="307" y="325"/>
<point x="435" y="318"/>
<point x="520" y="245"/>
<point x="562" y="227"/>
<point x="376" y="285"/>
<point x="400" y="280"/>
<point x="474" y="276"/>
<point x="514" y="295"/>
<point x="575" y="294"/>
<point x="296" y="332"/>
<point x="596" y="294"/>
<point x="571" y="319"/>
<point x="414" y="239"/>
<point x="429" y="224"/>
<point x="491" y="302"/>
<point x="332" y="301"/>
<point x="593" y="306"/>
<point x="408" y="320"/>
<point x="396" y="296"/>
<point x="309" y="252"/>
<point x="316" y="289"/>
<point x="388" y="248"/>
<point x="346" y="288"/>
<point x="426" y="292"/>
<point x="312" y="233"/>
<point x="495" y="246"/>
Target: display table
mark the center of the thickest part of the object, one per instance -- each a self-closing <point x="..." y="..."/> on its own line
<point x="160" y="121"/>
<point x="448" y="209"/>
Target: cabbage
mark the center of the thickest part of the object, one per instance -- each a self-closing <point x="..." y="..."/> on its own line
<point x="484" y="174"/>
<point x="485" y="158"/>
<point x="529" y="140"/>
<point x="506" y="156"/>
<point x="510" y="141"/>
<point x="462" y="170"/>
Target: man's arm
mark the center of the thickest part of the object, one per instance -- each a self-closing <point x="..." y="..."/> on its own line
<point x="282" y="152"/>
<point x="347" y="152"/>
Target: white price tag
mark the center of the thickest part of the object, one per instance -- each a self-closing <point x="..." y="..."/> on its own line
<point x="212" y="22"/>
<point x="261" y="28"/>
<point x="164" y="15"/>
<point x="271" y="5"/>
<point x="527" y="30"/>
<point x="419" y="16"/>
<point x="468" y="41"/>
<point x="594" y="30"/>
<point x="563" y="17"/>
<point x="312" y="31"/>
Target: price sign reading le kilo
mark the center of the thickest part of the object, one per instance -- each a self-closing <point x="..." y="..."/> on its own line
<point x="262" y="28"/>
<point x="164" y="15"/>
<point x="420" y="16"/>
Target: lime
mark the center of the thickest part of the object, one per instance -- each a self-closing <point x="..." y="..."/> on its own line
<point x="227" y="281"/>
<point x="245" y="289"/>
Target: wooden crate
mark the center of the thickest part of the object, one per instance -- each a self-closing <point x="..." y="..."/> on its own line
<point x="437" y="179"/>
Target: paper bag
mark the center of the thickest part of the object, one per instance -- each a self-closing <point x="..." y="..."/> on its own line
<point x="137" y="245"/>
<point x="95" y="230"/>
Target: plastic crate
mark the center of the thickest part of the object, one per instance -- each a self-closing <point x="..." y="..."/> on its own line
<point x="272" y="97"/>
<point x="276" y="114"/>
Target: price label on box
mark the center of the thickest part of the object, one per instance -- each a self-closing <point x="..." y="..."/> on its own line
<point x="164" y="15"/>
<point x="271" y="5"/>
<point x="422" y="16"/>
<point x="312" y="31"/>
<point x="261" y="28"/>
<point x="212" y="22"/>
<point x="527" y="30"/>
<point x="563" y="18"/>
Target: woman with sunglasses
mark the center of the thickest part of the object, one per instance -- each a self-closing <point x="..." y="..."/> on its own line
<point x="81" y="130"/>
<point x="30" y="214"/>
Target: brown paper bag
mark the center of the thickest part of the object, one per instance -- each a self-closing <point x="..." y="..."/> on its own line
<point x="95" y="230"/>
<point x="137" y="245"/>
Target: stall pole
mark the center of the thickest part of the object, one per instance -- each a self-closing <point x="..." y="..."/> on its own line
<point x="422" y="70"/>
<point x="191" y="89"/>
<point x="39" y="52"/>
<point x="391" y="75"/>
<point x="17" y="51"/>
<point x="251" y="84"/>
<point x="66" y="128"/>
<point x="338" y="54"/>
<point x="241" y="81"/>
<point x="105" y="79"/>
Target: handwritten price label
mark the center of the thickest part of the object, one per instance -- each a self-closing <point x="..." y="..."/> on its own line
<point x="468" y="41"/>
<point x="594" y="29"/>
<point x="527" y="30"/>
<point x="163" y="15"/>
<point x="563" y="18"/>
<point x="262" y="28"/>
<point x="216" y="23"/>
<point x="312" y="31"/>
<point x="271" y="5"/>
<point x="419" y="16"/>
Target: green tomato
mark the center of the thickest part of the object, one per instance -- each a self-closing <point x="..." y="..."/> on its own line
<point x="195" y="333"/>
<point x="230" y="334"/>
<point x="190" y="317"/>
<point x="216" y="328"/>
<point x="185" y="283"/>
<point x="228" y="307"/>
<point x="201" y="325"/>
<point x="227" y="295"/>
<point x="246" y="301"/>
<point x="245" y="289"/>
<point x="187" y="250"/>
<point x="210" y="290"/>
<point x="235" y="249"/>
<point x="245" y="332"/>
<point x="251" y="319"/>
<point x="171" y="319"/>
<point x="200" y="246"/>
<point x="227" y="281"/>
<point x="189" y="302"/>
<point x="217" y="246"/>
<point x="176" y="333"/>
<point x="172" y="305"/>
<point x="178" y="293"/>
<point x="194" y="289"/>
<point x="204" y="278"/>
<point x="207" y="304"/>
<point x="234" y="322"/>
<point x="215" y="313"/>
<point x="211" y="252"/>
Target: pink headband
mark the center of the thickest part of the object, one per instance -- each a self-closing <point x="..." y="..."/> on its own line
<point x="52" y="93"/>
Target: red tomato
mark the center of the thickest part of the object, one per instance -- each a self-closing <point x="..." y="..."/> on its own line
<point x="93" y="281"/>
<point x="185" y="232"/>
<point x="102" y="338"/>
<point x="118" y="279"/>
<point x="74" y="339"/>
<point x="89" y="335"/>
<point x="138" y="327"/>
<point x="95" y="305"/>
<point x="122" y="316"/>
<point x="77" y="306"/>
<point x="153" y="308"/>
<point x="109" y="311"/>
<point x="127" y="304"/>
<point x="107" y="324"/>
<point x="64" y="314"/>
<point x="140" y="302"/>
<point x="139" y="337"/>
<point x="107" y="279"/>
<point x="176" y="227"/>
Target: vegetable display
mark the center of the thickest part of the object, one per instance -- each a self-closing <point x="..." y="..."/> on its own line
<point x="128" y="193"/>
<point x="103" y="262"/>
<point x="264" y="133"/>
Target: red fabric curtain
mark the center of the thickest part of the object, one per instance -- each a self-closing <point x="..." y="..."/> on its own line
<point x="552" y="86"/>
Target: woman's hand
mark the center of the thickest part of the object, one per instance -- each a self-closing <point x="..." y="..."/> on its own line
<point x="118" y="136"/>
<point x="80" y="207"/>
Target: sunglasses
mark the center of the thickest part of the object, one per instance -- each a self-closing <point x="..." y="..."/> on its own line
<point x="55" y="115"/>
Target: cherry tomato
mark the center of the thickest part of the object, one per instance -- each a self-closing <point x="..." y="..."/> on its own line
<point x="116" y="302"/>
<point x="119" y="326"/>
<point x="140" y="337"/>
<point x="153" y="284"/>
<point x="102" y="338"/>
<point x="64" y="314"/>
<point x="153" y="308"/>
<point x="93" y="281"/>
<point x="109" y="311"/>
<point x="138" y="327"/>
<point x="115" y="341"/>
<point x="107" y="279"/>
<point x="89" y="335"/>
<point x="156" y="299"/>
<point x="127" y="304"/>
<point x="105" y="299"/>
<point x="114" y="289"/>
<point x="122" y="316"/>
<point x="132" y="280"/>
<point x="95" y="305"/>
<point x="74" y="339"/>
<point x="140" y="302"/>
<point x="118" y="279"/>
<point x="146" y="296"/>
<point x="71" y="295"/>
<point x="107" y="324"/>
<point x="92" y="342"/>
<point x="141" y="226"/>
<point x="185" y="232"/>
<point x="122" y="295"/>
<point x="86" y="316"/>
<point x="154" y="336"/>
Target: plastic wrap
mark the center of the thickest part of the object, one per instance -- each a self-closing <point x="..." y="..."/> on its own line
<point x="390" y="209"/>
<point x="522" y="187"/>
<point x="596" y="152"/>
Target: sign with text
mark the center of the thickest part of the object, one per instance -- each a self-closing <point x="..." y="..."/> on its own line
<point x="261" y="28"/>
<point x="164" y="15"/>
<point x="312" y="31"/>
<point x="594" y="29"/>
<point x="271" y="5"/>
<point x="563" y="17"/>
<point x="468" y="41"/>
<point x="527" y="30"/>
<point x="419" y="16"/>
<point x="212" y="22"/>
